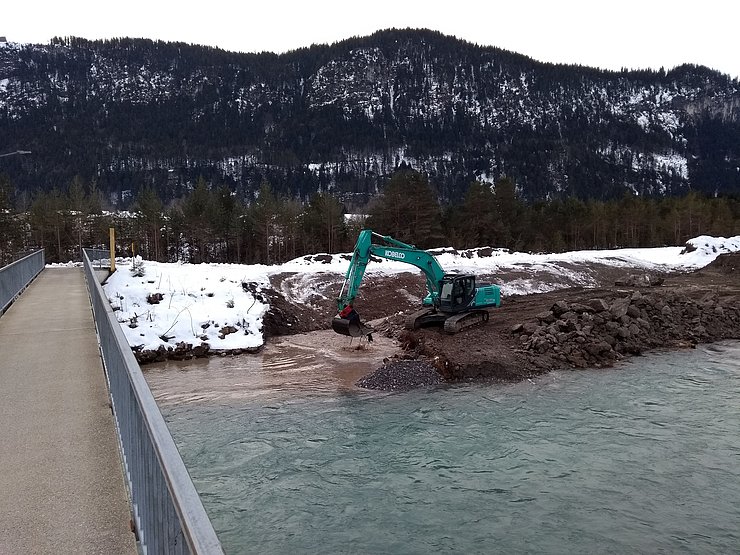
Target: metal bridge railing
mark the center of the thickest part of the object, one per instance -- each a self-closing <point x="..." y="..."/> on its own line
<point x="167" y="510"/>
<point x="16" y="276"/>
<point x="99" y="258"/>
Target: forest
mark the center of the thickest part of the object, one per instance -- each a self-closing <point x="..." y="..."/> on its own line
<point x="211" y="224"/>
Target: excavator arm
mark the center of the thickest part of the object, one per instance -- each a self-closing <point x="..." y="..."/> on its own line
<point x="392" y="250"/>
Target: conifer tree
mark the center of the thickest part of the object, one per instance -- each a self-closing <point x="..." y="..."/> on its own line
<point x="225" y="215"/>
<point x="195" y="211"/>
<point x="510" y="224"/>
<point x="323" y="223"/>
<point x="10" y="229"/>
<point x="149" y="214"/>
<point x="263" y="215"/>
<point x="408" y="210"/>
<point x="478" y="215"/>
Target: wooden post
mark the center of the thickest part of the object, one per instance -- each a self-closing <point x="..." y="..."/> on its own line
<point x="112" y="250"/>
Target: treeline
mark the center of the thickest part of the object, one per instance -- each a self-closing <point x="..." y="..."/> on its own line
<point x="211" y="224"/>
<point x="496" y="216"/>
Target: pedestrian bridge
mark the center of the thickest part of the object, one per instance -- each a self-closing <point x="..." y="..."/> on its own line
<point x="87" y="464"/>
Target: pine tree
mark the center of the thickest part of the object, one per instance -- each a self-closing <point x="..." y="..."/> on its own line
<point x="263" y="215"/>
<point x="408" y="210"/>
<point x="149" y="213"/>
<point x="225" y="216"/>
<point x="478" y="215"/>
<point x="195" y="212"/>
<point x="48" y="222"/>
<point x="11" y="243"/>
<point x="323" y="223"/>
<point x="510" y="225"/>
<point x="289" y="220"/>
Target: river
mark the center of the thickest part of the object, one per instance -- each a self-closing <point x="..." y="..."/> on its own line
<point x="290" y="457"/>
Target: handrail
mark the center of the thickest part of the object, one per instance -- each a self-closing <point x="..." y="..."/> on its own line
<point x="16" y="276"/>
<point x="168" y="513"/>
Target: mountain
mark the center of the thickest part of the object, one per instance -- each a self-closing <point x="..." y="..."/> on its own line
<point x="132" y="112"/>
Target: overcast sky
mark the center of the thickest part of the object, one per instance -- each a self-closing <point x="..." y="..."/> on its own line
<point x="615" y="34"/>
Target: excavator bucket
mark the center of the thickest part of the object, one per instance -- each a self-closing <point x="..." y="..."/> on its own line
<point x="345" y="327"/>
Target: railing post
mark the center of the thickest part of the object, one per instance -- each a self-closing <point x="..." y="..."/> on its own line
<point x="112" y="250"/>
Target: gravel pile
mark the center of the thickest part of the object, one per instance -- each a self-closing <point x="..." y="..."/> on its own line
<point x="401" y="375"/>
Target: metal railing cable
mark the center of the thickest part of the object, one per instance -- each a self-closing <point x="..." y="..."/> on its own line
<point x="167" y="510"/>
<point x="16" y="276"/>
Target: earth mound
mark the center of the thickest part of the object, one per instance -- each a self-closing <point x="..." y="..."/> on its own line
<point x="728" y="263"/>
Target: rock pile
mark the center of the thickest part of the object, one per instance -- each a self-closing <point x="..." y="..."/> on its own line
<point x="605" y="329"/>
<point x="181" y="351"/>
<point x="184" y="351"/>
<point x="401" y="375"/>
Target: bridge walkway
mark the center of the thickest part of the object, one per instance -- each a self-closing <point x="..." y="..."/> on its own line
<point x="61" y="479"/>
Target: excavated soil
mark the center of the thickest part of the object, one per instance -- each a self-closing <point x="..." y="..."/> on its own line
<point x="573" y="326"/>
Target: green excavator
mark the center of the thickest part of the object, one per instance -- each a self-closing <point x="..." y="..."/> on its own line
<point x="454" y="300"/>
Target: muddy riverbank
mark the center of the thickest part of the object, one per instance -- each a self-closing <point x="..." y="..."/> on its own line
<point x="588" y="327"/>
<point x="624" y="315"/>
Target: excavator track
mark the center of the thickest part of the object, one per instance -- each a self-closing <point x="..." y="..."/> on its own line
<point x="413" y="320"/>
<point x="460" y="322"/>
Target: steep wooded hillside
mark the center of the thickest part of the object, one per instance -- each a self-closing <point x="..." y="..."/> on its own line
<point x="128" y="113"/>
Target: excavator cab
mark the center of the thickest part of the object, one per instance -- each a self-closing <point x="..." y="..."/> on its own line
<point x="456" y="292"/>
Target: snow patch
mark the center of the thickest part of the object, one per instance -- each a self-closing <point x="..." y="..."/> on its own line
<point x="196" y="302"/>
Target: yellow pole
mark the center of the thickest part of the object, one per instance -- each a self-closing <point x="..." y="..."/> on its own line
<point x="112" y="250"/>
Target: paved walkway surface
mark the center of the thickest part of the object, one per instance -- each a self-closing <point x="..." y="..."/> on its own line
<point x="61" y="483"/>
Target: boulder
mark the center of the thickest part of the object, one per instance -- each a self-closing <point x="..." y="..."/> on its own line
<point x="597" y="347"/>
<point x="619" y="307"/>
<point x="200" y="351"/>
<point x="546" y="316"/>
<point x="569" y="316"/>
<point x="598" y="305"/>
<point x="639" y="280"/>
<point x="633" y="311"/>
<point x="560" y="307"/>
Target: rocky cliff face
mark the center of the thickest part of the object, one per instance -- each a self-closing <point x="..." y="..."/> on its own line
<point x="343" y="117"/>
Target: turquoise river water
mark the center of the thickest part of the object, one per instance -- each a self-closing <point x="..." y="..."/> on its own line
<point x="290" y="458"/>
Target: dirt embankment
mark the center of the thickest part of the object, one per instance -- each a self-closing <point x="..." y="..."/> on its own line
<point x="571" y="327"/>
<point x="574" y="327"/>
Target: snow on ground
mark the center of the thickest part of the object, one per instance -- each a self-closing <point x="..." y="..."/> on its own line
<point x="199" y="300"/>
